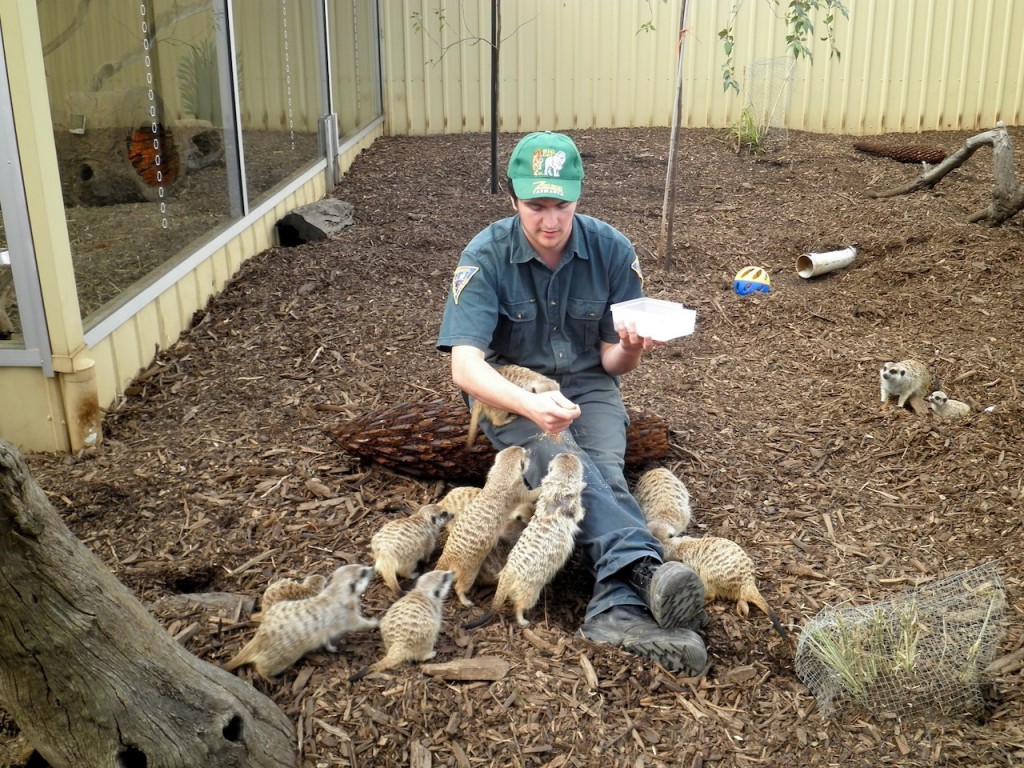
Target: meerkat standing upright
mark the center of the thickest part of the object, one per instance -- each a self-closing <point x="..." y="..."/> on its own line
<point x="475" y="531"/>
<point x="665" y="502"/>
<point x="905" y="380"/>
<point x="292" y="628"/>
<point x="726" y="570"/>
<point x="946" y="408"/>
<point x="411" y="625"/>
<point x="547" y="542"/>
<point x="498" y="556"/>
<point x="399" y="546"/>
<point x="521" y="377"/>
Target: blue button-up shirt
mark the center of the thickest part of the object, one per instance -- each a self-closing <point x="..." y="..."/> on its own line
<point x="507" y="302"/>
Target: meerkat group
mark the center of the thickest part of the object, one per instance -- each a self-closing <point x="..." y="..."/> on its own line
<point x="523" y="377"/>
<point x="475" y="531"/>
<point x="291" y="628"/>
<point x="912" y="380"/>
<point x="546" y="542"/>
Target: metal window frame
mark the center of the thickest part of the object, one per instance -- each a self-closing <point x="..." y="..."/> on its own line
<point x="36" y="352"/>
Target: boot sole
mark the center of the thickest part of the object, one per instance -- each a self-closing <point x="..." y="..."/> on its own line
<point x="677" y="597"/>
<point x="677" y="650"/>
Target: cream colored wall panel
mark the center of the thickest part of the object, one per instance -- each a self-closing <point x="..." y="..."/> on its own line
<point x="35" y="422"/>
<point x="108" y="388"/>
<point x="906" y="65"/>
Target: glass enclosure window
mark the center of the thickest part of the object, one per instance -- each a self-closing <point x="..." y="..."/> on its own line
<point x="278" y="89"/>
<point x="10" y="326"/>
<point x="355" y="64"/>
<point x="135" y="102"/>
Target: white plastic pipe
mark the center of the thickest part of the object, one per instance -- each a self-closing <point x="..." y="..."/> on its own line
<point x="814" y="264"/>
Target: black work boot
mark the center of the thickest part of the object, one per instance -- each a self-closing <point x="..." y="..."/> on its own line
<point x="633" y="629"/>
<point x="673" y="591"/>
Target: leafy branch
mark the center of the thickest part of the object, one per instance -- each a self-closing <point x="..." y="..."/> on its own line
<point x="800" y="30"/>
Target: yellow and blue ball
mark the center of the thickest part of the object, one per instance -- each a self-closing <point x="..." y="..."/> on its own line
<point x="751" y="280"/>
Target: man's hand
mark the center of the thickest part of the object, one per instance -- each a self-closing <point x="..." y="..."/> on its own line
<point x="551" y="411"/>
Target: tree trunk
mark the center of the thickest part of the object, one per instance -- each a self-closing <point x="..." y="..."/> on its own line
<point x="90" y="677"/>
<point x="1007" y="197"/>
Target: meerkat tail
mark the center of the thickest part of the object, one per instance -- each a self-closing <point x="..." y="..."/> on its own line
<point x="391" y="579"/>
<point x="359" y="675"/>
<point x="474" y="425"/>
<point x="479" y="622"/>
<point x="244" y="656"/>
<point x="751" y="594"/>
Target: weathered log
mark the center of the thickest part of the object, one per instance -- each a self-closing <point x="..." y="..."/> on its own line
<point x="90" y="677"/>
<point x="1007" y="197"/>
<point x="428" y="439"/>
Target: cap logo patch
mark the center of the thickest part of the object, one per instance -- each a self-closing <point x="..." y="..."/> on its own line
<point x="546" y="187"/>
<point x="461" y="279"/>
<point x="547" y="162"/>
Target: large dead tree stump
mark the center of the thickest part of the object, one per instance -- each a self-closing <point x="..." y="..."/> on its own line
<point x="91" y="678"/>
<point x="1007" y="197"/>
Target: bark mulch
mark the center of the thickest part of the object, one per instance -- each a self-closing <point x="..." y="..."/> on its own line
<point x="216" y="473"/>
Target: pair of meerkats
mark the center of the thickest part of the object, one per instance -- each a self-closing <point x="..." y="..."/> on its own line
<point x="300" y="617"/>
<point x="910" y="379"/>
<point x="723" y="566"/>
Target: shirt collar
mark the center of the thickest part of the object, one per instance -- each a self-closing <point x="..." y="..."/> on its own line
<point x="522" y="251"/>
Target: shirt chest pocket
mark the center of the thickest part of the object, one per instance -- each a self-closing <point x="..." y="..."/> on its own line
<point x="515" y="335"/>
<point x="582" y="322"/>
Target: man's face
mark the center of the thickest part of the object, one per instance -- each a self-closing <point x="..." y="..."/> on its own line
<point x="547" y="223"/>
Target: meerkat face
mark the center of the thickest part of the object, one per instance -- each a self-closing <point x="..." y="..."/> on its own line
<point x="357" y="576"/>
<point x="437" y="583"/>
<point x="893" y="372"/>
<point x="937" y="398"/>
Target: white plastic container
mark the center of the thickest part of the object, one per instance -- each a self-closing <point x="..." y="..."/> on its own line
<point x="660" y="320"/>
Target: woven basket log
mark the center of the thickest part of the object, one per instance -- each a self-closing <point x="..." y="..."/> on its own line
<point x="907" y="153"/>
<point x="428" y="440"/>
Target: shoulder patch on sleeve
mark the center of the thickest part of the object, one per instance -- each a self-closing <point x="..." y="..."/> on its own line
<point x="461" y="279"/>
<point x="635" y="266"/>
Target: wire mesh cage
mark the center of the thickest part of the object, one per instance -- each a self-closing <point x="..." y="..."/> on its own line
<point x="924" y="651"/>
<point x="769" y="90"/>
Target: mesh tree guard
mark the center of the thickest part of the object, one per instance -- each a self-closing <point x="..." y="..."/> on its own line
<point x="924" y="651"/>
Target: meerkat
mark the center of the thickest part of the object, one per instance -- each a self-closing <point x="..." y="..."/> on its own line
<point x="665" y="502"/>
<point x="458" y="498"/>
<point x="498" y="556"/>
<point x="521" y="377"/>
<point x="292" y="628"/>
<point x="290" y="589"/>
<point x="411" y="625"/>
<point x="399" y="546"/>
<point x="726" y="570"/>
<point x="546" y="543"/>
<point x="945" y="408"/>
<point x="905" y="379"/>
<point x="476" y="530"/>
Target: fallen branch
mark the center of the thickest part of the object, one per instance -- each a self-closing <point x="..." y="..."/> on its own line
<point x="1007" y="197"/>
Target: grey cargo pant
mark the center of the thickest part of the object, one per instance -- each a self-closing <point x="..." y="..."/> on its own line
<point x="613" y="533"/>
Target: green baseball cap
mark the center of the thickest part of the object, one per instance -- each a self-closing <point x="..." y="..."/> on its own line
<point x="546" y="164"/>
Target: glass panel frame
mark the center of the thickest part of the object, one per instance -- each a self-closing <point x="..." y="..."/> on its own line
<point x="32" y="347"/>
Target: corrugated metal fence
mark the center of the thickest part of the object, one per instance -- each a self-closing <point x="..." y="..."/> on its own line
<point x="905" y="65"/>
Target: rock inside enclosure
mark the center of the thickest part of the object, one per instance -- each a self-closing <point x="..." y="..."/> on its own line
<point x="316" y="221"/>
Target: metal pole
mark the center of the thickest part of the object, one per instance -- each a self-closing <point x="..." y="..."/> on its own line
<point x="669" y="203"/>
<point x="495" y="42"/>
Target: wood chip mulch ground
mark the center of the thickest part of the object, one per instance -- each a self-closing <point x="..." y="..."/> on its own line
<point x="216" y="473"/>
